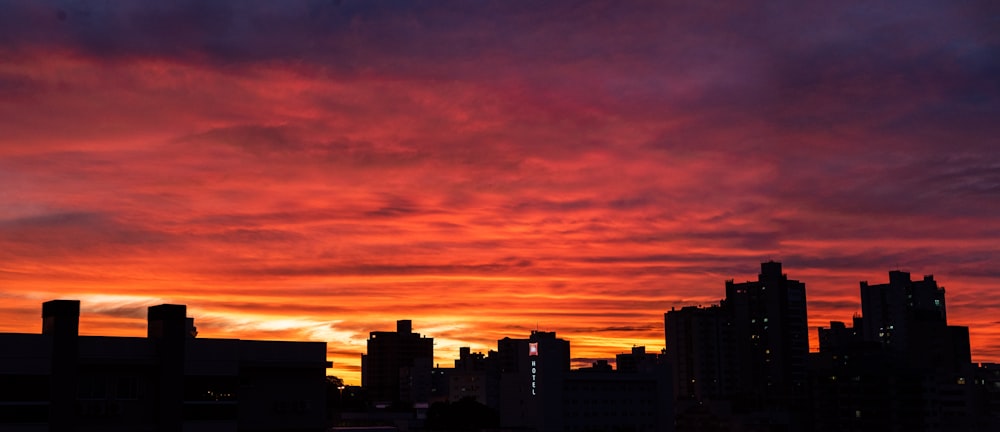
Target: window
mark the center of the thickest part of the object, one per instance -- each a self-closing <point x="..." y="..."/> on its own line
<point x="92" y="387"/>
<point x="127" y="388"/>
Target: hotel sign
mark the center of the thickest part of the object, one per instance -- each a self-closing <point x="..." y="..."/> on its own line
<point x="533" y="352"/>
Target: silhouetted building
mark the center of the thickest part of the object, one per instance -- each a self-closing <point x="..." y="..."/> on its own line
<point x="440" y="384"/>
<point x="908" y="318"/>
<point x="532" y="372"/>
<point x="889" y="309"/>
<point x="900" y="367"/>
<point x="698" y="346"/>
<point x="838" y="337"/>
<point x="396" y="371"/>
<point x="540" y="392"/>
<point x="859" y="389"/>
<point x="987" y="398"/>
<point x="743" y="361"/>
<point x="638" y="360"/>
<point x="770" y="337"/>
<point x="474" y="377"/>
<point x="167" y="381"/>
<point x="600" y="399"/>
<point x="699" y="350"/>
<point x="601" y="365"/>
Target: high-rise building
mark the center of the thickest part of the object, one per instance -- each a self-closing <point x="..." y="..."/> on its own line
<point x="698" y="348"/>
<point x="397" y="368"/>
<point x="890" y="310"/>
<point x="744" y="360"/>
<point x="909" y="319"/>
<point x="532" y="373"/>
<point x="770" y="335"/>
<point x="901" y="366"/>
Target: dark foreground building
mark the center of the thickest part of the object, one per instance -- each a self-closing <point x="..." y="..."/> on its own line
<point x="743" y="361"/>
<point x="539" y="392"/>
<point x="526" y="384"/>
<point x="396" y="371"/>
<point x="167" y="381"/>
<point x="901" y="367"/>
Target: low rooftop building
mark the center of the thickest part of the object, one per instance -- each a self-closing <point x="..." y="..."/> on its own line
<point x="167" y="381"/>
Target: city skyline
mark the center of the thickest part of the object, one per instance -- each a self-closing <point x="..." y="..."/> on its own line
<point x="736" y="364"/>
<point x="577" y="362"/>
<point x="317" y="171"/>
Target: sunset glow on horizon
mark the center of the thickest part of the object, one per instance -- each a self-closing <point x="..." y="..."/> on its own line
<point x="317" y="171"/>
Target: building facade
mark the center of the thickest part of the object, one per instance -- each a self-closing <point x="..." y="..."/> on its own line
<point x="899" y="367"/>
<point x="396" y="371"/>
<point x="743" y="361"/>
<point x="167" y="381"/>
<point x="532" y="372"/>
<point x="698" y="342"/>
<point x="770" y="337"/>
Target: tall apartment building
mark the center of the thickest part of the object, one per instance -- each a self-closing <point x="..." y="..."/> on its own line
<point x="901" y="366"/>
<point x="744" y="358"/>
<point x="770" y="336"/>
<point x="909" y="318"/>
<point x="698" y="341"/>
<point x="532" y="373"/>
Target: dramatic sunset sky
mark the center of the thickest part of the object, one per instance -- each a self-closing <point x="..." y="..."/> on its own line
<point x="318" y="170"/>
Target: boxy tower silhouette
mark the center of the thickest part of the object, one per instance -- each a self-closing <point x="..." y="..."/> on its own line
<point x="901" y="366"/>
<point x="770" y="336"/>
<point x="746" y="357"/>
<point x="397" y="368"/>
<point x="908" y="319"/>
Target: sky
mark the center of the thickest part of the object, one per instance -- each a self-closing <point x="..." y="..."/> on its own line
<point x="312" y="170"/>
